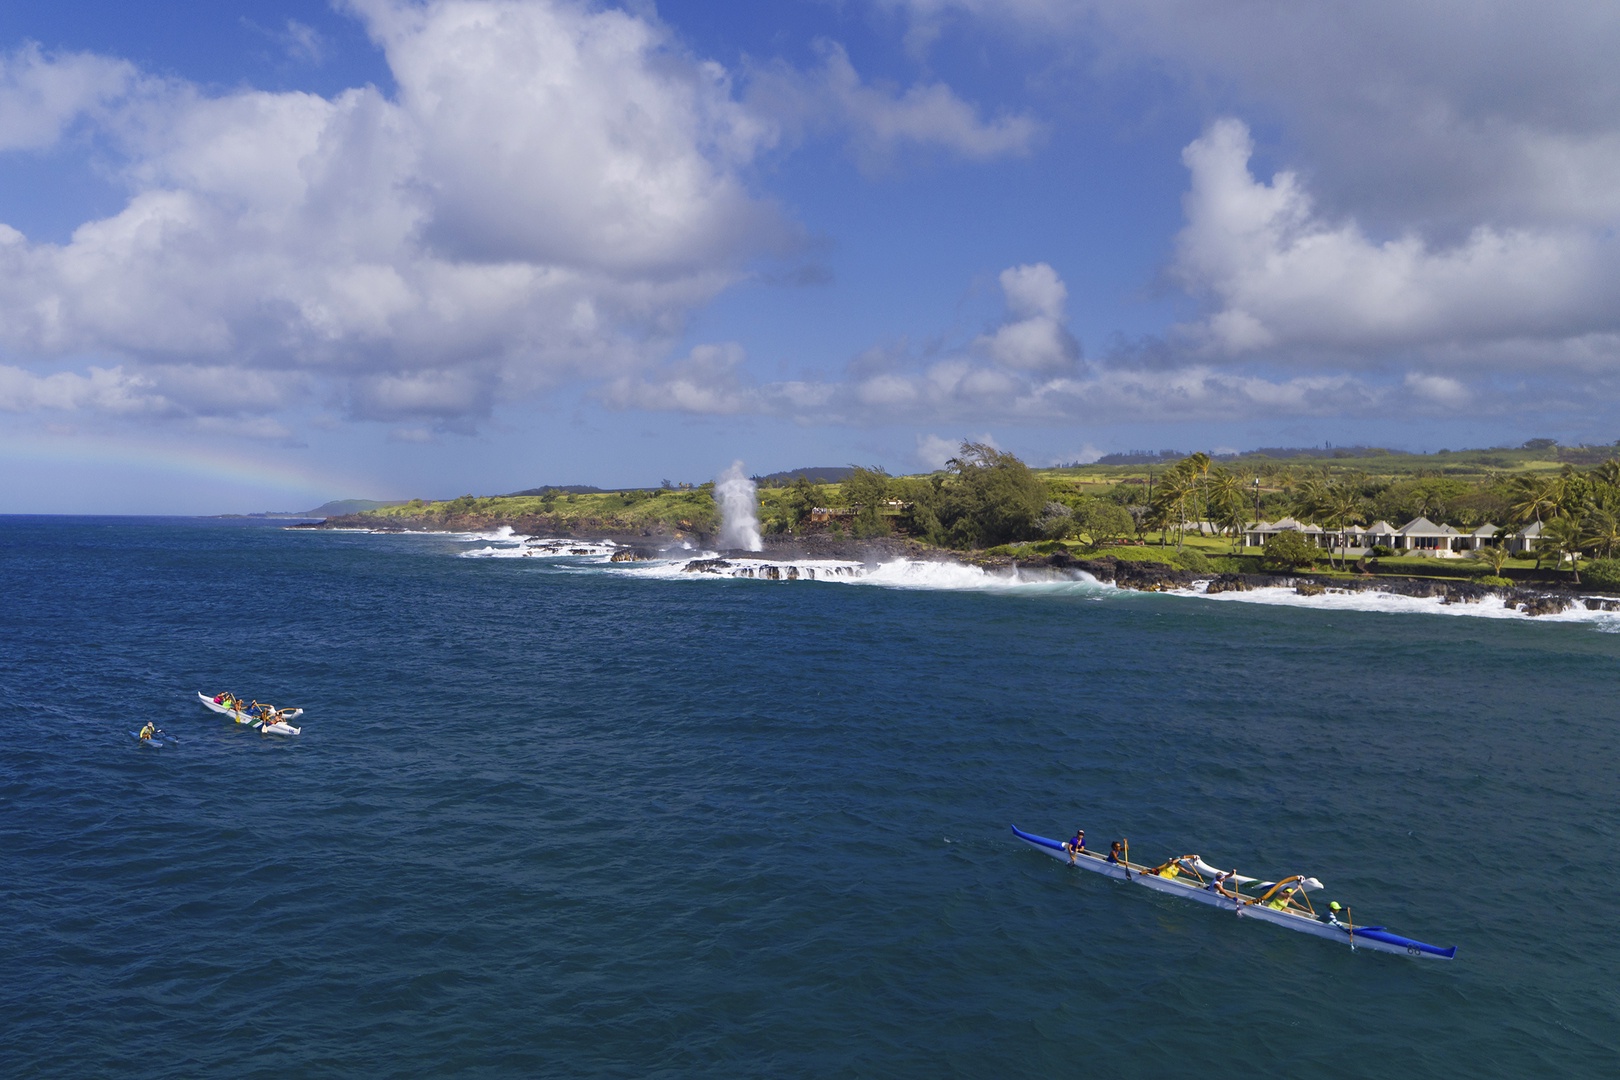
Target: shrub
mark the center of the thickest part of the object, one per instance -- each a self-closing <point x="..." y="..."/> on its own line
<point x="1194" y="561"/>
<point x="1492" y="579"/>
<point x="1604" y="572"/>
<point x="1288" y="550"/>
<point x="1383" y="551"/>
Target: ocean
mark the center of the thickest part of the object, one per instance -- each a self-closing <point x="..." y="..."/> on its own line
<point x="553" y="815"/>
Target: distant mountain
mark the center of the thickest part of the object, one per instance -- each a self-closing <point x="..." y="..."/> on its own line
<point x="561" y="489"/>
<point x="835" y="474"/>
<point x="335" y="508"/>
<point x="339" y="507"/>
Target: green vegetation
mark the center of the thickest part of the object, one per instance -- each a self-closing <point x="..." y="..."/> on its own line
<point x="987" y="499"/>
<point x="1290" y="551"/>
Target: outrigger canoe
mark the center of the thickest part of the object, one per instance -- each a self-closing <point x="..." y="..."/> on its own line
<point x="1190" y="878"/>
<point x="242" y="716"/>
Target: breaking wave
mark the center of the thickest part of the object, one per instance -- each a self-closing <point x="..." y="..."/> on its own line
<point x="685" y="563"/>
<point x="1372" y="600"/>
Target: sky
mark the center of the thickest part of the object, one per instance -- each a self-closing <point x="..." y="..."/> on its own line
<point x="259" y="255"/>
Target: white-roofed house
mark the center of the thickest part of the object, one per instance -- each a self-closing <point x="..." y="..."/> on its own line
<point x="1420" y="536"/>
<point x="1525" y="540"/>
<point x="1379" y="532"/>
<point x="1257" y="534"/>
<point x="1483" y="537"/>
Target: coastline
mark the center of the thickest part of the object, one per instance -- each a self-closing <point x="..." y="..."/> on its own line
<point x="1133" y="574"/>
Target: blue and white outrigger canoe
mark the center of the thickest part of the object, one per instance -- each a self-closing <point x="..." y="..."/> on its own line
<point x="278" y="717"/>
<point x="1190" y="878"/>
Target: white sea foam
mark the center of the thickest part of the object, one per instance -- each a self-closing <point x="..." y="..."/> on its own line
<point x="894" y="574"/>
<point x="514" y="546"/>
<point x="945" y="575"/>
<point x="1490" y="607"/>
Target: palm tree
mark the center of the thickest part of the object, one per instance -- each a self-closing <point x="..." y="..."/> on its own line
<point x="1564" y="534"/>
<point x="1494" y="557"/>
<point x="1341" y="508"/>
<point x="1198" y="466"/>
<point x="1158" y="516"/>
<point x="1171" y="497"/>
<point x="1228" y="503"/>
<point x="1312" y="497"/>
<point x="1534" y="496"/>
<point x="1600" y="530"/>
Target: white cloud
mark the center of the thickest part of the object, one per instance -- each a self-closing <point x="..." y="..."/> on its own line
<point x="551" y="190"/>
<point x="710" y="381"/>
<point x="304" y="42"/>
<point x="1438" y="389"/>
<point x="1412" y="111"/>
<point x="933" y="452"/>
<point x="111" y="390"/>
<point x="1283" y="277"/>
<point x="706" y="382"/>
<point x="1037" y="338"/>
<point x="880" y="119"/>
<point x="41" y="96"/>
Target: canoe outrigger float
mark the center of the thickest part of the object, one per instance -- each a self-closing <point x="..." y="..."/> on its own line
<point x="1284" y="902"/>
<point x="256" y="718"/>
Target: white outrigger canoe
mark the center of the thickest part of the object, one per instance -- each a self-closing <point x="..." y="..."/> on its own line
<point x="280" y="727"/>
<point x="1190" y="878"/>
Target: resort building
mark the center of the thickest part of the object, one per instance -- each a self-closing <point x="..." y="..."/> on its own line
<point x="1420" y="536"/>
<point x="1526" y="539"/>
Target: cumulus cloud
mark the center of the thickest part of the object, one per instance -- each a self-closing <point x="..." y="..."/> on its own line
<point x="881" y="119"/>
<point x="1282" y="276"/>
<point x="977" y="383"/>
<point x="933" y="452"/>
<point x="42" y="95"/>
<point x="1415" y="111"/>
<point x="550" y="190"/>
<point x="111" y="390"/>
<point x="1036" y="338"/>
<point x="710" y="381"/>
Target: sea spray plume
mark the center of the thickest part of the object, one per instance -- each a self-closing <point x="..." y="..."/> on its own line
<point x="739" y="524"/>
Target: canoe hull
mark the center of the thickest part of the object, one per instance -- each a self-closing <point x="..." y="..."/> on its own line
<point x="1376" y="939"/>
<point x="279" y="728"/>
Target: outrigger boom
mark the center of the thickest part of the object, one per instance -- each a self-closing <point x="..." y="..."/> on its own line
<point x="1285" y="903"/>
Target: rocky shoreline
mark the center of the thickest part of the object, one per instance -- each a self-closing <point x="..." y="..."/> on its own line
<point x="1135" y="574"/>
<point x="1157" y="577"/>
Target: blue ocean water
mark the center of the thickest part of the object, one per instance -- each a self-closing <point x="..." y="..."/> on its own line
<point x="555" y="817"/>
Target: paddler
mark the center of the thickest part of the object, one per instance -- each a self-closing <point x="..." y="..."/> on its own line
<point x="1076" y="844"/>
<point x="1281" y="900"/>
<point x="1219" y="884"/>
<point x="148" y="730"/>
<point x="1116" y="852"/>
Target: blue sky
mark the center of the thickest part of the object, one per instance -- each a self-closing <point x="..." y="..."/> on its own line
<point x="263" y="254"/>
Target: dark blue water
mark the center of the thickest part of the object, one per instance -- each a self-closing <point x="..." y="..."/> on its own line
<point x="547" y="818"/>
